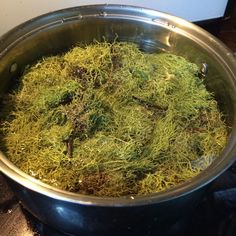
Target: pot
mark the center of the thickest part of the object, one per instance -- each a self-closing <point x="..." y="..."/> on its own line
<point x="153" y="31"/>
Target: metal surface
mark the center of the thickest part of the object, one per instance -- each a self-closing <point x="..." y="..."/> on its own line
<point x="215" y="215"/>
<point x="17" y="11"/>
<point x="152" y="31"/>
<point x="204" y="70"/>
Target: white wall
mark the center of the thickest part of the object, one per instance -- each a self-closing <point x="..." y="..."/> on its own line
<point x="14" y="12"/>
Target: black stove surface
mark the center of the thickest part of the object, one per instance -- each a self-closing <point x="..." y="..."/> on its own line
<point x="215" y="215"/>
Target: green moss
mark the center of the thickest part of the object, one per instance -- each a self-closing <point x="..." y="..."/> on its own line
<point x="110" y="120"/>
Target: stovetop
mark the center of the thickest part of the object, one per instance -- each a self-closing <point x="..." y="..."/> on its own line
<point x="215" y="215"/>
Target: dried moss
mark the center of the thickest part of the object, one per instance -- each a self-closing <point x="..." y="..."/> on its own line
<point x="110" y="120"/>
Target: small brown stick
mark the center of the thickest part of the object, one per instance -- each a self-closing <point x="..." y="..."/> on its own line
<point x="148" y="105"/>
<point x="69" y="146"/>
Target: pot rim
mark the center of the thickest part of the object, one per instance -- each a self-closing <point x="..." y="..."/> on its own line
<point x="147" y="15"/>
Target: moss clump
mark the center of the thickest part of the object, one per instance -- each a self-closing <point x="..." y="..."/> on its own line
<point x="110" y="120"/>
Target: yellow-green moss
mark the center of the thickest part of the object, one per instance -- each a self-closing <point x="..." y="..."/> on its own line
<point x="110" y="120"/>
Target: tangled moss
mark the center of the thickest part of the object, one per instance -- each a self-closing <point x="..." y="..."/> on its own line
<point x="110" y="120"/>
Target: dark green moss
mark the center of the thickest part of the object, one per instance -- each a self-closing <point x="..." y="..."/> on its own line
<point x="110" y="120"/>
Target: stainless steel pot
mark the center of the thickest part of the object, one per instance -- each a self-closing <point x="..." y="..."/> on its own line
<point x="153" y="31"/>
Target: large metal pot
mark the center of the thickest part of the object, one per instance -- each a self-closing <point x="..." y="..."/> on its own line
<point x="57" y="31"/>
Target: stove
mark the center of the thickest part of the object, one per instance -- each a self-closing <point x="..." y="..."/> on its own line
<point x="214" y="216"/>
